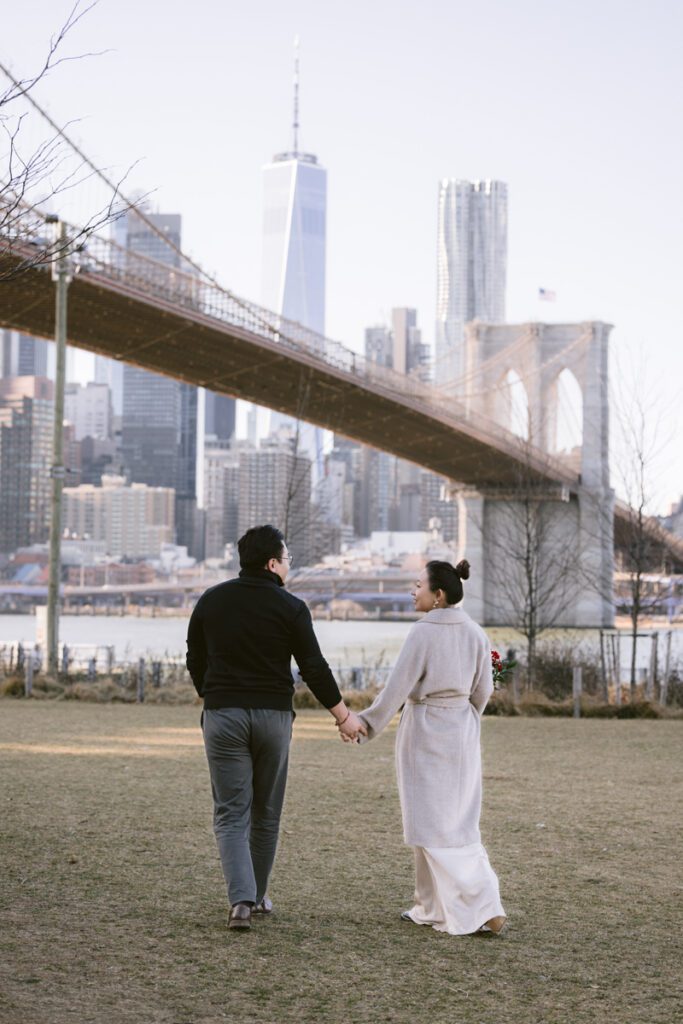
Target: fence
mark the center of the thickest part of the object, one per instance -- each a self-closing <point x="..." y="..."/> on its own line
<point x="91" y="663"/>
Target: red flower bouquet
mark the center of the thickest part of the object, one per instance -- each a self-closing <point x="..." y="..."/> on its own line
<point x="501" y="668"/>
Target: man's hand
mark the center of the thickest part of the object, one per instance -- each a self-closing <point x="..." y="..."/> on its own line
<point x="351" y="728"/>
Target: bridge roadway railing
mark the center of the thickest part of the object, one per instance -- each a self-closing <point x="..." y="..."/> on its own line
<point x="102" y="260"/>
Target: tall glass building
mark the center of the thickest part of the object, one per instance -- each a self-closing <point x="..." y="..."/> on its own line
<point x="161" y="437"/>
<point x="471" y="266"/>
<point x="294" y="206"/>
<point x="22" y="355"/>
<point x="293" y="270"/>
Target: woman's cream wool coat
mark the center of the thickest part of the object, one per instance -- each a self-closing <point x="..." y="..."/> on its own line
<point x="443" y="677"/>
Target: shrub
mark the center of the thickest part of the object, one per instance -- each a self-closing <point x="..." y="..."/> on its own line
<point x="12" y="686"/>
<point x="675" y="687"/>
<point x="639" y="709"/>
<point x="555" y="660"/>
<point x="501" y="703"/>
<point x="357" y="700"/>
<point x="535" y="703"/>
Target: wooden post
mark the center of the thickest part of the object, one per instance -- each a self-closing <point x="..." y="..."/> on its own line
<point x="664" y="689"/>
<point x="28" y="678"/>
<point x="576" y="690"/>
<point x="616" y="667"/>
<point x="652" y="669"/>
<point x="141" y="681"/>
<point x="603" y="668"/>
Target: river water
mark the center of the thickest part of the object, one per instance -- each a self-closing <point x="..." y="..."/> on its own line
<point x="364" y="644"/>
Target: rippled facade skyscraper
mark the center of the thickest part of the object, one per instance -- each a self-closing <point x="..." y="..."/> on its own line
<point x="471" y="266"/>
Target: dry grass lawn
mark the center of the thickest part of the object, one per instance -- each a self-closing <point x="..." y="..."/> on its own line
<point x="113" y="908"/>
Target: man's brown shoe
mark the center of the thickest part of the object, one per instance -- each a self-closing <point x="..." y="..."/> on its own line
<point x="264" y="907"/>
<point x="240" y="916"/>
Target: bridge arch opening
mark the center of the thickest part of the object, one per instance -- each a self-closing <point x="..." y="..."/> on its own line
<point x="514" y="405"/>
<point x="567" y="436"/>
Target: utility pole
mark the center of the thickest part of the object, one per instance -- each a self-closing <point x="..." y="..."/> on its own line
<point x="61" y="276"/>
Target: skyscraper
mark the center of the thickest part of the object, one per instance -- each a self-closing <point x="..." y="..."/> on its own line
<point x="220" y="416"/>
<point x="21" y="355"/>
<point x="471" y="266"/>
<point x="110" y="372"/>
<point x="411" y="356"/>
<point x="295" y="193"/>
<point x="133" y="234"/>
<point x="89" y="410"/>
<point x="379" y="346"/>
<point x="151" y="425"/>
<point x="294" y="224"/>
<point x="26" y="424"/>
<point x="275" y="487"/>
<point x="161" y="431"/>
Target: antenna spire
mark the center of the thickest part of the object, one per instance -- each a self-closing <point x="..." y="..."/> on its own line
<point x="295" y="125"/>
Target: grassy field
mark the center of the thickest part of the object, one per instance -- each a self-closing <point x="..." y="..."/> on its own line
<point x="113" y="907"/>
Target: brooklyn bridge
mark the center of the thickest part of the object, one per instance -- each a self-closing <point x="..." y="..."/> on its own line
<point x="174" y="320"/>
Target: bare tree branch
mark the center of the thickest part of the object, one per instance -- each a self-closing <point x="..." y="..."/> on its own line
<point x="33" y="176"/>
<point x="639" y="417"/>
<point x="532" y="542"/>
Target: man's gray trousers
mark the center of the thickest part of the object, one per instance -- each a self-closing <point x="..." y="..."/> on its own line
<point x="247" y="750"/>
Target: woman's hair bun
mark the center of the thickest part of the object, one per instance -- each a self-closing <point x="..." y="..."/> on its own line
<point x="463" y="569"/>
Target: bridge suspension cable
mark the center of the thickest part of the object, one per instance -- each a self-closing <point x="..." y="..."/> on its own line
<point x="127" y="203"/>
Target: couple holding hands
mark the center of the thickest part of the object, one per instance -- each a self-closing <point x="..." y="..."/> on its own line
<point x="241" y="638"/>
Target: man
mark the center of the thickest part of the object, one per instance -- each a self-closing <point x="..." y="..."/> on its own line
<point x="242" y="636"/>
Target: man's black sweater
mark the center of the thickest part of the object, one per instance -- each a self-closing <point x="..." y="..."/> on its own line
<point x="240" y="642"/>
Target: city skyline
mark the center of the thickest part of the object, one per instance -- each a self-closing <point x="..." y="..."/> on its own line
<point x="574" y="226"/>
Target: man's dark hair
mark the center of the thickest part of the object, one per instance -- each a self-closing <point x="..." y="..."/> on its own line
<point x="259" y="545"/>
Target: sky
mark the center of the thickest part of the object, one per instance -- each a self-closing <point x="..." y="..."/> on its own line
<point x="577" y="107"/>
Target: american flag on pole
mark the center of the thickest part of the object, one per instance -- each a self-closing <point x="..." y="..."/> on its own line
<point x="546" y="296"/>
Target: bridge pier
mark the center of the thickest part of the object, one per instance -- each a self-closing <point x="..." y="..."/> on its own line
<point x="541" y="549"/>
<point x="546" y="554"/>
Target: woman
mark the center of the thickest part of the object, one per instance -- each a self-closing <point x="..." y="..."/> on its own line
<point x="443" y="676"/>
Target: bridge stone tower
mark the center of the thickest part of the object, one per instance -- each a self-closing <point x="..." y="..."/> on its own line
<point x="544" y="544"/>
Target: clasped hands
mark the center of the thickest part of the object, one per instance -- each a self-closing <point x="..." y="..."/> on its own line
<point x="351" y="728"/>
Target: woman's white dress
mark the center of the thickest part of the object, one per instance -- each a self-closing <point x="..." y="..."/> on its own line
<point x="443" y="677"/>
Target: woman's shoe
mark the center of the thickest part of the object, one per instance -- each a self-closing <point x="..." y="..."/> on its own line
<point x="494" y="924"/>
<point x="405" y="916"/>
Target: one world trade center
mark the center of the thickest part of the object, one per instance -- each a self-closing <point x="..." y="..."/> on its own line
<point x="294" y="208"/>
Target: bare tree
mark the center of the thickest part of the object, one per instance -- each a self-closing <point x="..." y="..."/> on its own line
<point x="639" y="417"/>
<point x="302" y="517"/>
<point x="532" y="541"/>
<point x="35" y="174"/>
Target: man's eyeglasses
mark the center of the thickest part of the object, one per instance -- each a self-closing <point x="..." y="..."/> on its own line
<point x="288" y="558"/>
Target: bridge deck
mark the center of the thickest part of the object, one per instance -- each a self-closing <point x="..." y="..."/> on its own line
<point x="116" y="318"/>
<point x="163" y="320"/>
